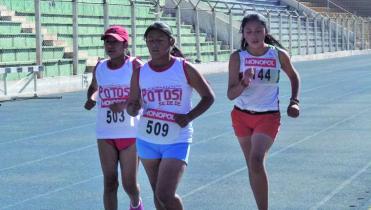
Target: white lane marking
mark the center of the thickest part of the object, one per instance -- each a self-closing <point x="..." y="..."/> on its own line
<point x="50" y="192"/>
<point x="202" y="187"/>
<point x="202" y="116"/>
<point x="46" y="134"/>
<point x="47" y="157"/>
<point x="341" y="187"/>
<point x="79" y="149"/>
<point x="73" y="184"/>
<point x="87" y="147"/>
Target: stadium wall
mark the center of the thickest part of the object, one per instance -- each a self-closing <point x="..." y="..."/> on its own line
<point x="58" y="85"/>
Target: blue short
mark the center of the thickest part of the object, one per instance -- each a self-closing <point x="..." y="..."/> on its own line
<point x="148" y="150"/>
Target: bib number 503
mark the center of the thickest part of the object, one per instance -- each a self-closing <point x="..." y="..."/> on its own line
<point x="115" y="117"/>
<point x="157" y="128"/>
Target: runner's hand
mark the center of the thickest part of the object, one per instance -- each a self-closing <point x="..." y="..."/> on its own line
<point x="182" y="119"/>
<point x="293" y="110"/>
<point x="89" y="104"/>
<point x="118" y="107"/>
<point x="133" y="107"/>
<point x="248" y="74"/>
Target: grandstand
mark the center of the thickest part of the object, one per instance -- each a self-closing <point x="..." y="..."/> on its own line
<point x="357" y="7"/>
<point x="206" y="30"/>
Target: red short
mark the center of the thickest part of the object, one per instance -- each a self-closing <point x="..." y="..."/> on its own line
<point x="246" y="124"/>
<point x="121" y="144"/>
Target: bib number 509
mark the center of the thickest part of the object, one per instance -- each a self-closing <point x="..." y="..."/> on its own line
<point x="157" y="128"/>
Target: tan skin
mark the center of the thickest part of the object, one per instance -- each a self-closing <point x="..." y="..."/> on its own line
<point x="256" y="146"/>
<point x="165" y="174"/>
<point x="109" y="155"/>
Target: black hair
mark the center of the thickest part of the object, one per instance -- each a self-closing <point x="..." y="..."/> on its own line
<point x="269" y="39"/>
<point x="161" y="26"/>
<point x="176" y="52"/>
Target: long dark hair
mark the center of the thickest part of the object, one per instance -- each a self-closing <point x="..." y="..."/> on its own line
<point x="176" y="52"/>
<point x="269" y="39"/>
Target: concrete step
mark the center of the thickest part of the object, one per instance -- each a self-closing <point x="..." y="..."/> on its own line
<point x="91" y="62"/>
<point x="320" y="9"/>
<point x="68" y="53"/>
<point x="306" y="3"/>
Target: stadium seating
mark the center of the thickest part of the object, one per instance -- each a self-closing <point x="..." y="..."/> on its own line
<point x="18" y="44"/>
<point x="57" y="19"/>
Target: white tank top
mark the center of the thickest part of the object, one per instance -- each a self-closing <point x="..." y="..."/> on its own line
<point x="114" y="86"/>
<point x="262" y="94"/>
<point x="164" y="93"/>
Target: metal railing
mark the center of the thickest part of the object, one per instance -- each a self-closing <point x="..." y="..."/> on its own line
<point x="214" y="29"/>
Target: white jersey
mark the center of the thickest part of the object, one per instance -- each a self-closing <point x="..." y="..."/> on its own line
<point x="114" y="86"/>
<point x="262" y="94"/>
<point x="165" y="92"/>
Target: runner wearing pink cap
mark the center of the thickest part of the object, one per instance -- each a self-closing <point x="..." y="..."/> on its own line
<point x="116" y="130"/>
<point x="117" y="32"/>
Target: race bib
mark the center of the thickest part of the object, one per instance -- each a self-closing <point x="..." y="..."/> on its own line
<point x="264" y="70"/>
<point x="267" y="76"/>
<point x="159" y="126"/>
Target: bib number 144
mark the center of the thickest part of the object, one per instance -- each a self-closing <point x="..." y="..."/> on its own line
<point x="266" y="75"/>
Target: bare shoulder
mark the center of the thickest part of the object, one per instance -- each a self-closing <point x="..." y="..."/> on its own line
<point x="235" y="56"/>
<point x="286" y="64"/>
<point x="234" y="62"/>
<point x="193" y="73"/>
<point x="94" y="71"/>
<point x="137" y="63"/>
<point x="138" y="60"/>
<point x="283" y="56"/>
<point x="189" y="67"/>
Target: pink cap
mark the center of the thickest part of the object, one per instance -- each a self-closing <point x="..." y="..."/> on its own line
<point x="117" y="32"/>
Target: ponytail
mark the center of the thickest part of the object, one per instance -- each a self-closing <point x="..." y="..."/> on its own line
<point x="269" y="39"/>
<point x="176" y="52"/>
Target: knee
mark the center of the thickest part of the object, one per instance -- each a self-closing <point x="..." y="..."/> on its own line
<point x="110" y="183"/>
<point x="131" y="187"/>
<point x="256" y="163"/>
<point x="164" y="197"/>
